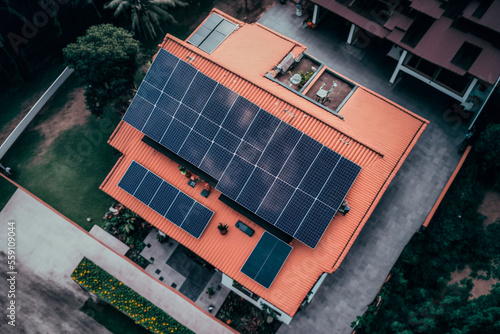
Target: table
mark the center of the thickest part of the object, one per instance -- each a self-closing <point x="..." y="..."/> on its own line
<point x="295" y="79"/>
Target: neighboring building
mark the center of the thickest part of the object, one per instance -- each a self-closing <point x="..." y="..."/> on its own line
<point x="452" y="46"/>
<point x="230" y="105"/>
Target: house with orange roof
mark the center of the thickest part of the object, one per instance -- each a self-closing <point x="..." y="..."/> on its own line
<point x="286" y="152"/>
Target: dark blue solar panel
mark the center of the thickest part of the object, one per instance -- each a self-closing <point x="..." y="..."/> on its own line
<point x="180" y="80"/>
<point x="216" y="161"/>
<point x="157" y="124"/>
<point x="227" y="140"/>
<point x="300" y="160"/>
<point x="295" y="211"/>
<point x="138" y="112"/>
<point x="240" y="116"/>
<point x="259" y="255"/>
<point x="219" y="104"/>
<point x="273" y="264"/>
<point x="160" y="70"/>
<point x="198" y="214"/>
<point x="206" y="128"/>
<point x="148" y="187"/>
<point x="255" y="189"/>
<point x="261" y="129"/>
<point x="339" y="183"/>
<point x="186" y="115"/>
<point x="230" y="136"/>
<point x="163" y="199"/>
<point x="248" y="152"/>
<point x="279" y="148"/>
<point x="199" y="92"/>
<point x="319" y="171"/>
<point x="266" y="260"/>
<point x="167" y="104"/>
<point x="194" y="149"/>
<point x="179" y="209"/>
<point x="132" y="177"/>
<point x="175" y="136"/>
<point x="149" y="92"/>
<point x="314" y="224"/>
<point x="235" y="177"/>
<point x="275" y="201"/>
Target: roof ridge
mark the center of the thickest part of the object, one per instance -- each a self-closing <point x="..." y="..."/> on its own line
<point x="193" y="49"/>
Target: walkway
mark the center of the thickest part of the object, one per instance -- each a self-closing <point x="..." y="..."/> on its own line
<point x="49" y="248"/>
<point x="406" y="203"/>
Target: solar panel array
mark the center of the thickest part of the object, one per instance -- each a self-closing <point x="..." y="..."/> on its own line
<point x="165" y="199"/>
<point x="266" y="259"/>
<point x="263" y="163"/>
<point x="212" y="33"/>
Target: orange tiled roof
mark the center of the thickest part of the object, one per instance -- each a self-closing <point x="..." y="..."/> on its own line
<point x="380" y="134"/>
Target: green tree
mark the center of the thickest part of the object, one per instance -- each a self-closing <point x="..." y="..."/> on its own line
<point x="488" y="149"/>
<point x="147" y="16"/>
<point x="105" y="60"/>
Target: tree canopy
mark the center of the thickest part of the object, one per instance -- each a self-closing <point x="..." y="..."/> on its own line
<point x="105" y="60"/>
<point x="147" y="16"/>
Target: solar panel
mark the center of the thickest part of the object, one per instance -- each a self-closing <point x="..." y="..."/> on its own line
<point x="212" y="33"/>
<point x="216" y="161"/>
<point x="256" y="189"/>
<point x="165" y="199"/>
<point x="157" y="124"/>
<point x="260" y="161"/>
<point x="266" y="260"/>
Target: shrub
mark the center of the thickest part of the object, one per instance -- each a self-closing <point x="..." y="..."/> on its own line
<point x="107" y="288"/>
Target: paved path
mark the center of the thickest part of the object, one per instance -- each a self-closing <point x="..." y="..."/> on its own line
<point x="48" y="250"/>
<point x="405" y="205"/>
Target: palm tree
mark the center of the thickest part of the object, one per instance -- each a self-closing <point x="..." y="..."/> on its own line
<point x="147" y="15"/>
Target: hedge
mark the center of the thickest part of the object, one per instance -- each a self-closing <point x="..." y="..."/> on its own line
<point x="107" y="288"/>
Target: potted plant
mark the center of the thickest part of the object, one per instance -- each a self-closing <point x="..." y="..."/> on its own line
<point x="222" y="228"/>
<point x="210" y="292"/>
<point x="182" y="169"/>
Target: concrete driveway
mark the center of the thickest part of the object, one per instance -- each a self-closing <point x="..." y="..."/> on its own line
<point x="48" y="249"/>
<point x="408" y="200"/>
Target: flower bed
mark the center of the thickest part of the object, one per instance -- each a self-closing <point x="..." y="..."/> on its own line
<point x="94" y="279"/>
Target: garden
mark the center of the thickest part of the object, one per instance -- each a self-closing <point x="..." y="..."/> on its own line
<point x="246" y="318"/>
<point x="113" y="292"/>
<point x="130" y="229"/>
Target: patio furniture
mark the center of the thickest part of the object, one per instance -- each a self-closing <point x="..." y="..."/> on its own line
<point x="192" y="181"/>
<point x="344" y="209"/>
<point x="295" y="79"/>
<point x="245" y="228"/>
<point x="321" y="94"/>
<point x="206" y="190"/>
<point x="327" y="99"/>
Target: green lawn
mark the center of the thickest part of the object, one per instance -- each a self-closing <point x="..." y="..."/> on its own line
<point x="68" y="175"/>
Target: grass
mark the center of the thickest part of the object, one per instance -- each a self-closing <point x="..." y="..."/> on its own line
<point x="12" y="100"/>
<point x="114" y="321"/>
<point x="68" y="176"/>
<point x="8" y="190"/>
